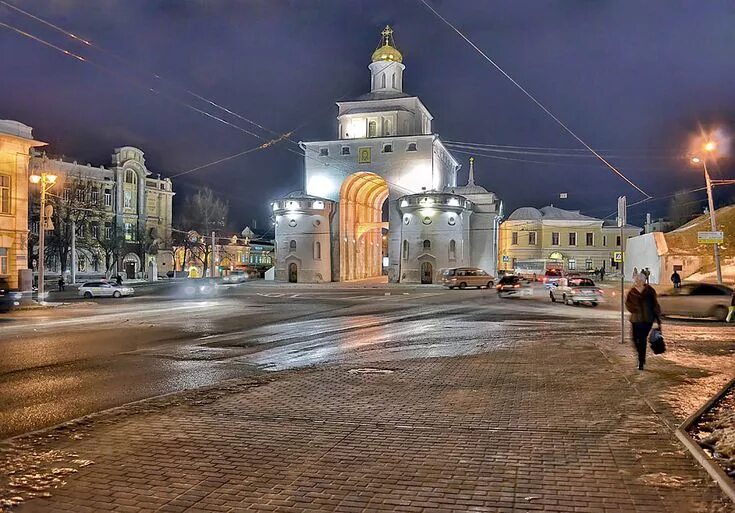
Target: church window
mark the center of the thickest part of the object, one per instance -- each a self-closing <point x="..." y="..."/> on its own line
<point x="514" y="238"/>
<point x="128" y="199"/>
<point x="387" y="127"/>
<point x="131" y="177"/>
<point x="382" y="80"/>
<point x="317" y="250"/>
<point x="427" y="244"/>
<point x="292" y="245"/>
<point x="372" y="129"/>
<point x="323" y="152"/>
<point x="393" y="80"/>
<point x="387" y="148"/>
<point x="452" y="250"/>
<point x="411" y="147"/>
<point x="427" y="220"/>
<point x="405" y="250"/>
<point x="345" y="150"/>
<point x="452" y="221"/>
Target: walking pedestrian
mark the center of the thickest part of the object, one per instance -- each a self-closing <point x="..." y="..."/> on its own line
<point x="118" y="280"/>
<point x="647" y="273"/>
<point x="731" y="309"/>
<point x="644" y="309"/>
<point x="61" y="283"/>
<point x="676" y="279"/>
<point x="602" y="273"/>
<point x="635" y="274"/>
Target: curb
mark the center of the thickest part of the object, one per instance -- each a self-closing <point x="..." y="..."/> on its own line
<point x="725" y="483"/>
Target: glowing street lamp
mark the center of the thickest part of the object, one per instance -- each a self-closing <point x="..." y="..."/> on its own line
<point x="46" y="180"/>
<point x="710" y="147"/>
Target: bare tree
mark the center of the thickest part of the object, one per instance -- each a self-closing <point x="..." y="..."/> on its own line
<point x="204" y="213"/>
<point x="109" y="240"/>
<point x="683" y="208"/>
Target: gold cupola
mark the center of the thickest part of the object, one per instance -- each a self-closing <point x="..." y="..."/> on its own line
<point x="387" y="50"/>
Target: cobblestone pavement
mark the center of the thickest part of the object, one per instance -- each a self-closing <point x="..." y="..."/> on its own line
<point x="530" y="426"/>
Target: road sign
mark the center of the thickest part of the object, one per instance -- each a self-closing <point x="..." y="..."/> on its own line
<point x="710" y="237"/>
<point x="617" y="256"/>
<point x="506" y="258"/>
<point x="563" y="195"/>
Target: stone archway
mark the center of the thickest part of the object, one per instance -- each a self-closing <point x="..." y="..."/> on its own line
<point x="360" y="226"/>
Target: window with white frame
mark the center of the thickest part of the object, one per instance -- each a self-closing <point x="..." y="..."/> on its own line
<point x="571" y="264"/>
<point x="108" y="231"/>
<point x="589" y="239"/>
<point x="554" y="238"/>
<point x="108" y="198"/>
<point x="129" y="233"/>
<point x="127" y="199"/>
<point x="5" y="194"/>
<point x="67" y="194"/>
<point x="372" y="128"/>
<point x="572" y="238"/>
<point x="95" y="195"/>
<point x="588" y="264"/>
<point x="131" y="177"/>
<point x="3" y="260"/>
<point x="95" y="229"/>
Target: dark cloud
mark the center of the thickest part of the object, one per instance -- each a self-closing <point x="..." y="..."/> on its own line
<point x="629" y="75"/>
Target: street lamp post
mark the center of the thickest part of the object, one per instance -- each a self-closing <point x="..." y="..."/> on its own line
<point x="47" y="181"/>
<point x="709" y="147"/>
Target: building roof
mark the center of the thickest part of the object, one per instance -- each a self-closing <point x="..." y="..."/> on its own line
<point x="559" y="214"/>
<point x="303" y="195"/>
<point x="525" y="214"/>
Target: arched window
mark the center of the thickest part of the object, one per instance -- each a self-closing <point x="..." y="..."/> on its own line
<point x="317" y="250"/>
<point x="393" y="80"/>
<point x="382" y="80"/>
<point x="405" y="250"/>
<point x="427" y="244"/>
<point x="387" y="127"/>
<point x="131" y="177"/>
<point x="411" y="147"/>
<point x="372" y="129"/>
<point x="292" y="245"/>
<point x="452" y="250"/>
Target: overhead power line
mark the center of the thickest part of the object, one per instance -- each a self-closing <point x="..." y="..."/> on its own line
<point x="534" y="100"/>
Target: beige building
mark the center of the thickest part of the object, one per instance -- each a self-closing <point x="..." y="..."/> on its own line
<point x="534" y="239"/>
<point x="121" y="217"/>
<point x="15" y="143"/>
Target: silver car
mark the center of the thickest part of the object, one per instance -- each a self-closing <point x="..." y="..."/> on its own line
<point x="103" y="289"/>
<point x="575" y="291"/>
<point x="697" y="300"/>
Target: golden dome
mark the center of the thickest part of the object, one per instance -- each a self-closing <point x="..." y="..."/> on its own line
<point x="387" y="50"/>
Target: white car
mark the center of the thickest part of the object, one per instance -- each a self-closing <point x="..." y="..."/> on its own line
<point x="103" y="289"/>
<point x="697" y="300"/>
<point x="236" y="277"/>
<point x="575" y="291"/>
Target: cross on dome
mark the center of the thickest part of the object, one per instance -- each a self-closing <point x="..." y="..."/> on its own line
<point x="387" y="50"/>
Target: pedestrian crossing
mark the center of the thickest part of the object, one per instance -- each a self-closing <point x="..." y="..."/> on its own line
<point x="404" y="296"/>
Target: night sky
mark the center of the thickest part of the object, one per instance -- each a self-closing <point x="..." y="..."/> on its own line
<point x="631" y="77"/>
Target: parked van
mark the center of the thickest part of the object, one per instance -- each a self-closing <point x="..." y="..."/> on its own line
<point x="463" y="277"/>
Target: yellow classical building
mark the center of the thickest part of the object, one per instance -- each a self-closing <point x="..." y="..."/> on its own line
<point x="16" y="141"/>
<point x="534" y="239"/>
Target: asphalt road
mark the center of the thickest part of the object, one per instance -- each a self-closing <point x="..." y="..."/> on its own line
<point x="62" y="363"/>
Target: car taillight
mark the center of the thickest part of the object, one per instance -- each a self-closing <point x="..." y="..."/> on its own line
<point x="576" y="291"/>
<point x="517" y="286"/>
<point x="600" y="291"/>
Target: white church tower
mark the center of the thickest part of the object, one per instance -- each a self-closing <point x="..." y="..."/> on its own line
<point x="384" y="191"/>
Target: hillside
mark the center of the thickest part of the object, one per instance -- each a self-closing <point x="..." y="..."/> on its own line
<point x="683" y="241"/>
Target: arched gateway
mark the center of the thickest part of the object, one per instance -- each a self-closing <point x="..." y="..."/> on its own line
<point x="382" y="198"/>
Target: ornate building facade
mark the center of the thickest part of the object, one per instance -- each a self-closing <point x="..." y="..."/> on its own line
<point x="108" y="220"/>
<point x="382" y="198"/>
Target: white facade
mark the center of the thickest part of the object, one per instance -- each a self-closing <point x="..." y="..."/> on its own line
<point x="385" y="150"/>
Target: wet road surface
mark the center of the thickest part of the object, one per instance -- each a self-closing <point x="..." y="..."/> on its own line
<point x="63" y="363"/>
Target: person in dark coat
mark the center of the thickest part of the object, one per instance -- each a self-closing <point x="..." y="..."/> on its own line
<point x="602" y="273"/>
<point x="118" y="280"/>
<point x="642" y="303"/>
<point x="61" y="284"/>
<point x="676" y="279"/>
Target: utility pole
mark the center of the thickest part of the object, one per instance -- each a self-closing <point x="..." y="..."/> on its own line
<point x="46" y="181"/>
<point x="712" y="221"/>
<point x="73" y="252"/>
<point x="214" y="255"/>
<point x="622" y="220"/>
